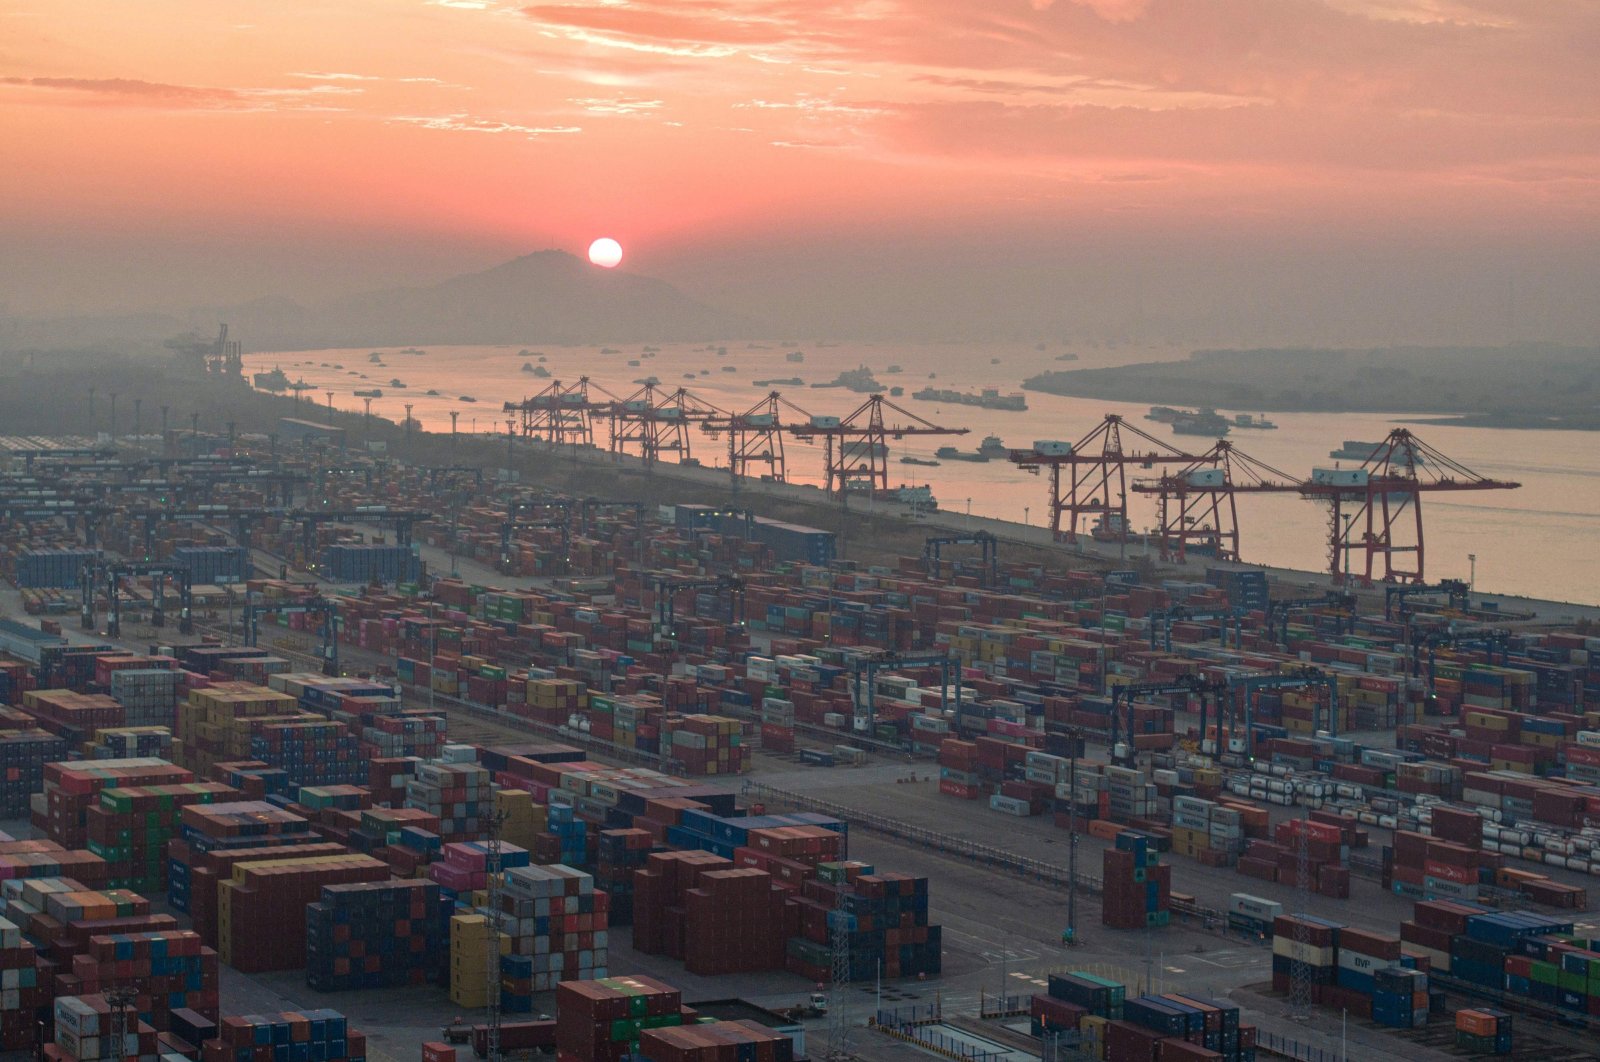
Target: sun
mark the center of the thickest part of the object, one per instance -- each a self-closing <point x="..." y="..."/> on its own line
<point x="605" y="252"/>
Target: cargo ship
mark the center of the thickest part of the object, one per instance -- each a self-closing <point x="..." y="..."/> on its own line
<point x="1257" y="422"/>
<point x="919" y="461"/>
<point x="276" y="380"/>
<point x="372" y="393"/>
<point x="1355" y="450"/>
<point x="414" y="350"/>
<point x="795" y="356"/>
<point x="991" y="448"/>
<point x="859" y="380"/>
<point x="988" y="398"/>
<point x="1206" y="422"/>
<point x="1163" y="414"/>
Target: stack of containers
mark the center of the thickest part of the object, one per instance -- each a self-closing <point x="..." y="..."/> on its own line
<point x="38" y="568"/>
<point x="261" y="922"/>
<point x="215" y="837"/>
<point x="47" y="859"/>
<point x="170" y="970"/>
<point x="1325" y="854"/>
<point x="619" y="854"/>
<point x="715" y="1041"/>
<point x="1206" y="831"/>
<point x="571" y="833"/>
<point x="23" y="754"/>
<point x="75" y="716"/>
<point x="214" y="725"/>
<point x="213" y="564"/>
<point x="958" y="769"/>
<point x="464" y="865"/>
<point x="311" y="752"/>
<point x="706" y="745"/>
<point x="734" y="913"/>
<point x="132" y="825"/>
<point x="368" y="564"/>
<point x="375" y="935"/>
<point x="471" y="937"/>
<point x="22" y="995"/>
<point x="602" y="1020"/>
<point x="1360" y="956"/>
<point x="323" y="1035"/>
<point x="1400" y="998"/>
<point x="1482" y="1031"/>
<point x="149" y="696"/>
<point x="1189" y="1027"/>
<point x="128" y="742"/>
<point x="83" y="1033"/>
<point x="457" y="793"/>
<point x="1436" y="868"/>
<point x="1313" y="942"/>
<point x="1138" y="886"/>
<point x="777" y="724"/>
<point x="554" y="916"/>
<point x="71" y="789"/>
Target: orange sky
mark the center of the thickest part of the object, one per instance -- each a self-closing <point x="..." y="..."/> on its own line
<point x="181" y="150"/>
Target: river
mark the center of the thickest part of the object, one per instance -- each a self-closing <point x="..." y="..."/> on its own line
<point x="1542" y="540"/>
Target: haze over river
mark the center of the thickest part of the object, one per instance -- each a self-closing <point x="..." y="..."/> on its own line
<point x="1542" y="540"/>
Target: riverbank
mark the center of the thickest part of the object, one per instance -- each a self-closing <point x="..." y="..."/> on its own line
<point x="871" y="532"/>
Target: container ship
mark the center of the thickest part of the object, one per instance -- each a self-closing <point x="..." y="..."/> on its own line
<point x="1206" y="422"/>
<point x="275" y="380"/>
<point x="992" y="448"/>
<point x="859" y="380"/>
<point x="988" y="398"/>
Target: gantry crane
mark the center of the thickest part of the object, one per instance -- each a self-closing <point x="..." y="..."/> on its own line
<point x="653" y="424"/>
<point x="1343" y="604"/>
<point x="1123" y="753"/>
<point x="669" y="585"/>
<point x="1196" y="505"/>
<point x="934" y="545"/>
<point x="158" y="573"/>
<point x="255" y="605"/>
<point x="755" y="437"/>
<point x="1455" y="592"/>
<point x="864" y="670"/>
<point x="1376" y="508"/>
<point x="563" y="414"/>
<point x="402" y="519"/>
<point x="1097" y="483"/>
<point x="857" y="446"/>
<point x="516" y="519"/>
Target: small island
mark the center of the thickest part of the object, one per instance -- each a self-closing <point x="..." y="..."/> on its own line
<point x="1521" y="386"/>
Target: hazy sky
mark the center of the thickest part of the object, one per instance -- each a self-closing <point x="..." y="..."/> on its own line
<point x="1406" y="168"/>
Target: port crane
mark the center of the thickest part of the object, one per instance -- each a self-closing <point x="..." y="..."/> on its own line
<point x="1197" y="505"/>
<point x="857" y="446"/>
<point x="864" y="670"/>
<point x="255" y="606"/>
<point x="755" y="437"/>
<point x="1376" y="507"/>
<point x="563" y="414"/>
<point x="515" y="520"/>
<point x="654" y="424"/>
<point x="1455" y="593"/>
<point x="1491" y="642"/>
<point x="1162" y="619"/>
<point x="1096" y="480"/>
<point x="986" y="542"/>
<point x="402" y="519"/>
<point x="668" y="586"/>
<point x="115" y="573"/>
<point x="1242" y="688"/>
<point x="1123" y="753"/>
<point x="1343" y="606"/>
<point x="28" y="455"/>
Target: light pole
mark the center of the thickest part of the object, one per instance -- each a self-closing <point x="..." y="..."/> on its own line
<point x="330" y="407"/>
<point x="1472" y="579"/>
<point x="1025" y="521"/>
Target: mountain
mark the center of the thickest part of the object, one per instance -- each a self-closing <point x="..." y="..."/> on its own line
<point x="547" y="297"/>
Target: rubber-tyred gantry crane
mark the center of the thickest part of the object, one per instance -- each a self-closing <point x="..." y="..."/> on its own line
<point x="857" y="446"/>
<point x="1097" y="480"/>
<point x="1376" y="507"/>
<point x="564" y="414"/>
<point x="1197" y="506"/>
<point x="755" y="437"/>
<point x="651" y="424"/>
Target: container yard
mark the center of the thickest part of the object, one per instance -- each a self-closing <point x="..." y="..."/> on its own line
<point x="558" y="766"/>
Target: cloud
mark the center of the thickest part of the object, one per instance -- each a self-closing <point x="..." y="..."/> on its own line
<point x="465" y="123"/>
<point x="621" y="106"/>
<point x="131" y="92"/>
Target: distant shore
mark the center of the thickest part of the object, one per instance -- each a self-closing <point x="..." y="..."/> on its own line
<point x="1533" y="387"/>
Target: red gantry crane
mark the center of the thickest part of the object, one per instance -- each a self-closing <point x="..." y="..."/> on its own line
<point x="1376" y="507"/>
<point x="857" y="446"/>
<point x="652" y="424"/>
<point x="1197" y="505"/>
<point x="562" y="414"/>
<point x="755" y="437"/>
<point x="1097" y="478"/>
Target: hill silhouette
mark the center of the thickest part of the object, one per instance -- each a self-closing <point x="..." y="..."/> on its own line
<point x="549" y="296"/>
